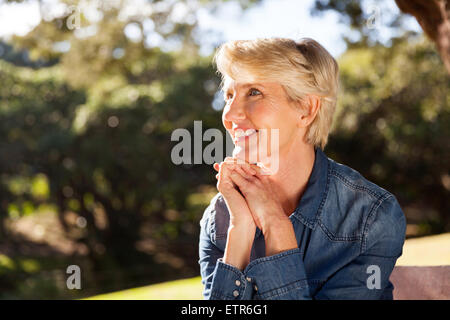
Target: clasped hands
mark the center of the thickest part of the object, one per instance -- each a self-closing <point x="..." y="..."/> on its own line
<point x="252" y="201"/>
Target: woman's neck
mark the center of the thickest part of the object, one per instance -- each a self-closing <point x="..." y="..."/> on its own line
<point x="291" y="179"/>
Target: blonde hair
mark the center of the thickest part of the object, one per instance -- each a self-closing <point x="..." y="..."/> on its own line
<point x="302" y="68"/>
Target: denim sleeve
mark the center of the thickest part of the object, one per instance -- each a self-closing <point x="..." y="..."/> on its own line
<point x="367" y="277"/>
<point x="221" y="281"/>
<point x="279" y="277"/>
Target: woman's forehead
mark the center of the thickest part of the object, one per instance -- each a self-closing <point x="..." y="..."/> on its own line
<point x="238" y="79"/>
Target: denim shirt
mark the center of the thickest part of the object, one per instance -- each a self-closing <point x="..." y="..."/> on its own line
<point x="349" y="231"/>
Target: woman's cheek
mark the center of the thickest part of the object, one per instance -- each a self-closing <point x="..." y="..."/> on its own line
<point x="273" y="104"/>
<point x="257" y="111"/>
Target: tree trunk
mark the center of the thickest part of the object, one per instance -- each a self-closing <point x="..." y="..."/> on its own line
<point x="434" y="18"/>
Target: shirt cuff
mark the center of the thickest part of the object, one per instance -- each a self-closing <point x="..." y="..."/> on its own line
<point x="229" y="283"/>
<point x="280" y="276"/>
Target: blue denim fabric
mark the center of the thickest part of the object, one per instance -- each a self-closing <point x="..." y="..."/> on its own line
<point x="343" y="224"/>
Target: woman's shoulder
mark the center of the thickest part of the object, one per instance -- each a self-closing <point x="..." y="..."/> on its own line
<point x="359" y="209"/>
<point x="216" y="218"/>
<point x="353" y="180"/>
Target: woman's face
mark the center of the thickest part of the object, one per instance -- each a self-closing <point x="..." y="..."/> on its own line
<point x="256" y="109"/>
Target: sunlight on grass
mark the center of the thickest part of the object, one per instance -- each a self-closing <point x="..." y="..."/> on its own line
<point x="426" y="251"/>
<point x="173" y="290"/>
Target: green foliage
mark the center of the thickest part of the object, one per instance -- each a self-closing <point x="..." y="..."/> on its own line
<point x="90" y="136"/>
<point x="392" y="124"/>
<point x="365" y="19"/>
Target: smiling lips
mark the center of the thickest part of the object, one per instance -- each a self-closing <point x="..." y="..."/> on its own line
<point x="240" y="135"/>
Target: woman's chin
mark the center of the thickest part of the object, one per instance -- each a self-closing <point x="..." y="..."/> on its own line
<point x="241" y="154"/>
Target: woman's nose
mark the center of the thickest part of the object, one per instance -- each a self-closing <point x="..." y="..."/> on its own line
<point x="233" y="111"/>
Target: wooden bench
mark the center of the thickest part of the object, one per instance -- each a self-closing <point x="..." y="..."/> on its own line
<point x="421" y="283"/>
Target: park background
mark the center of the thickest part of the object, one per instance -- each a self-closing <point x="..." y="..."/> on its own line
<point x="91" y="91"/>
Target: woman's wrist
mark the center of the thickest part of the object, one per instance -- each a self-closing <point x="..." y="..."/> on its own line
<point x="242" y="223"/>
<point x="239" y="245"/>
<point x="279" y="236"/>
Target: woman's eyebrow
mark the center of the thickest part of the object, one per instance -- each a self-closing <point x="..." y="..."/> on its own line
<point x="227" y="89"/>
<point x="243" y="86"/>
<point x="248" y="85"/>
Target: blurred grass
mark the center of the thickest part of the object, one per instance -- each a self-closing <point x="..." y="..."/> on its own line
<point x="426" y="251"/>
<point x="173" y="290"/>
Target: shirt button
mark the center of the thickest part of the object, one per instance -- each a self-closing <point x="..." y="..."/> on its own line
<point x="238" y="283"/>
<point x="235" y="293"/>
<point x="249" y="279"/>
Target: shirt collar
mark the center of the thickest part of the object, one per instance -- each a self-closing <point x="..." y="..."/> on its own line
<point x="314" y="196"/>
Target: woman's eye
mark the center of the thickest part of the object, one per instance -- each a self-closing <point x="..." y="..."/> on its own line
<point x="254" y="92"/>
<point x="228" y="96"/>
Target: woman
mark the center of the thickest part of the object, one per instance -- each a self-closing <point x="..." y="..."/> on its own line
<point x="309" y="227"/>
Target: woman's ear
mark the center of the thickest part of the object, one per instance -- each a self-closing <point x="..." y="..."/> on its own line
<point x="308" y="106"/>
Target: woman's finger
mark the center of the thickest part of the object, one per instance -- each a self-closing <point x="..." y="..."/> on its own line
<point x="248" y="169"/>
<point x="239" y="180"/>
<point x="216" y="166"/>
<point x="262" y="171"/>
<point x="230" y="159"/>
<point x="244" y="173"/>
<point x="227" y="167"/>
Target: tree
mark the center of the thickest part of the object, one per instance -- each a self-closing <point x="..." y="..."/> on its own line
<point x="392" y="124"/>
<point x="94" y="121"/>
<point x="432" y="15"/>
<point x="434" y="18"/>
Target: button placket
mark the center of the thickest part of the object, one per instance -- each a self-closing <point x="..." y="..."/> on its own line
<point x="240" y="287"/>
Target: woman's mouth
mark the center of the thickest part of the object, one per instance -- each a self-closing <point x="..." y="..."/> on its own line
<point x="241" y="135"/>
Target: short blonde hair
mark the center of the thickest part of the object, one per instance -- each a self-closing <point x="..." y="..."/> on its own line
<point x="303" y="67"/>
